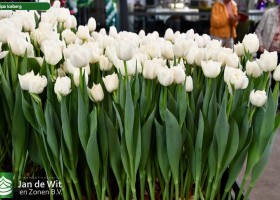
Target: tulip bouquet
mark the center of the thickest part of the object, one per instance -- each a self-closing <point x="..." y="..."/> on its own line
<point x="125" y="115"/>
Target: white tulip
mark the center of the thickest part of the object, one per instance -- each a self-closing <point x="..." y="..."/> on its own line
<point x="113" y="31"/>
<point x="111" y="82"/>
<point x="56" y="4"/>
<point x="268" y="61"/>
<point x="142" y="33"/>
<point x="178" y="74"/>
<point x="93" y="51"/>
<point x="220" y="56"/>
<point x="193" y="52"/>
<point x="199" y="40"/>
<point x="124" y="50"/>
<point x="178" y="50"/>
<point x="28" y="21"/>
<point x="63" y="15"/>
<point x="199" y="57"/>
<point x="169" y="34"/>
<point x="5" y="13"/>
<point x="68" y="36"/>
<point x="276" y="73"/>
<point x="40" y="60"/>
<point x="167" y="50"/>
<point x="251" y="43"/>
<point x="19" y="45"/>
<point x="189" y="84"/>
<point x="190" y="34"/>
<point x="96" y="93"/>
<point x="74" y="21"/>
<point x="239" y="49"/>
<point x="232" y="60"/>
<point x="36" y="84"/>
<point x="153" y="50"/>
<point x="76" y="77"/>
<point x="236" y="78"/>
<point x="211" y="69"/>
<point x="258" y="98"/>
<point x="165" y="76"/>
<point x="24" y="80"/>
<point x="214" y="44"/>
<point x="83" y="32"/>
<point x="102" y="32"/>
<point x="62" y="86"/>
<point x="130" y="66"/>
<point x="91" y="24"/>
<point x="79" y="57"/>
<point x="149" y="69"/>
<point x="253" y="69"/>
<point x="104" y="63"/>
<point x="52" y="52"/>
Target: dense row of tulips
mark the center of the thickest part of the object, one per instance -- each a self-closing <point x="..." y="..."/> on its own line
<point x="125" y="115"/>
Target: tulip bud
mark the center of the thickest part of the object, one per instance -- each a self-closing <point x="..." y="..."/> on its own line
<point x="24" y="80"/>
<point x="62" y="86"/>
<point x="253" y="69"/>
<point x="276" y="73"/>
<point x="149" y="69"/>
<point x="268" y="61"/>
<point x="52" y="52"/>
<point x="165" y="76"/>
<point x="189" y="84"/>
<point x="68" y="36"/>
<point x="211" y="69"/>
<point x="91" y="24"/>
<point x="76" y="77"/>
<point x="178" y="74"/>
<point x="111" y="82"/>
<point x="83" y="32"/>
<point x="251" y="43"/>
<point x="36" y="84"/>
<point x="239" y="49"/>
<point x="79" y="58"/>
<point x="169" y="34"/>
<point x="96" y="93"/>
<point x="124" y="50"/>
<point x="232" y="60"/>
<point x="104" y="63"/>
<point x="193" y="52"/>
<point x="113" y="31"/>
<point x="258" y="98"/>
<point x="167" y="50"/>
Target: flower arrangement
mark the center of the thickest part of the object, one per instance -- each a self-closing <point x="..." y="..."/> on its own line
<point x="128" y="115"/>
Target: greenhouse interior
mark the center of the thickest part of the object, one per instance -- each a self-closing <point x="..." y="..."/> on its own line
<point x="139" y="99"/>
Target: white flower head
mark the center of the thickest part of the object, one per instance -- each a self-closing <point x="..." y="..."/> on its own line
<point x="211" y="69"/>
<point x="96" y="93"/>
<point x="111" y="82"/>
<point x="258" y="98"/>
<point x="251" y="42"/>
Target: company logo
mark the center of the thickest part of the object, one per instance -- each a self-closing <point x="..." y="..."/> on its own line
<point x="6" y="185"/>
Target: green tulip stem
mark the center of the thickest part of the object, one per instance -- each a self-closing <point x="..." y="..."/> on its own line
<point x="149" y="83"/>
<point x="196" y="191"/>
<point x="127" y="190"/>
<point x="16" y="172"/>
<point x="230" y="104"/>
<point x="276" y="92"/>
<point x="265" y="80"/>
<point x="252" y="114"/>
<point x="248" y="192"/>
<point x="187" y="185"/>
<point x="87" y="181"/>
<point x="242" y="185"/>
<point x="78" y="189"/>
<point x="177" y="190"/>
<point x="126" y="73"/>
<point x="208" y="191"/>
<point x="98" y="191"/>
<point x="69" y="183"/>
<point x="166" y="191"/>
<point x="151" y="188"/>
<point x="142" y="184"/>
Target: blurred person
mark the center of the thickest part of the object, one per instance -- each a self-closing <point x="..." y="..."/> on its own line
<point x="223" y="22"/>
<point x="268" y="31"/>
